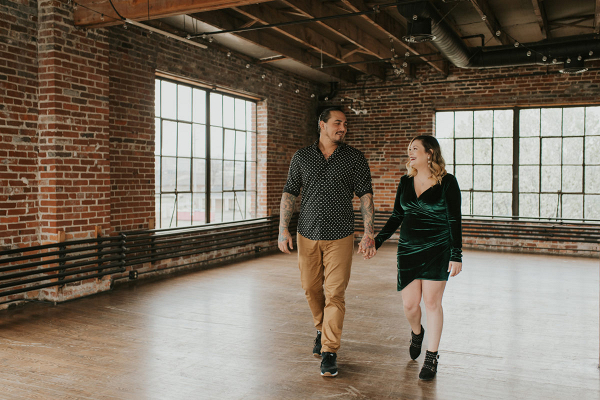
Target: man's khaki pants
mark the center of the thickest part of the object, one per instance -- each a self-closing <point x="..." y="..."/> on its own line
<point x="324" y="273"/>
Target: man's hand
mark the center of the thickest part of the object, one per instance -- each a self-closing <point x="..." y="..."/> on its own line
<point x="367" y="244"/>
<point x="285" y="240"/>
<point x="367" y="247"/>
<point x="286" y="209"/>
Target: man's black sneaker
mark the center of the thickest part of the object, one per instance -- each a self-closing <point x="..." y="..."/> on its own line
<point x="317" y="346"/>
<point x="328" y="364"/>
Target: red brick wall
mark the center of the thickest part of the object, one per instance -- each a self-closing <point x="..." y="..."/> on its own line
<point x="131" y="129"/>
<point x="77" y="118"/>
<point x="80" y="154"/>
<point x="532" y="246"/>
<point x="285" y="118"/>
<point x="72" y="127"/>
<point x="77" y="124"/>
<point x="400" y="109"/>
<point x="284" y="121"/>
<point x="18" y="124"/>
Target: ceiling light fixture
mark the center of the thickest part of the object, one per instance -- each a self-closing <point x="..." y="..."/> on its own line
<point x="575" y="66"/>
<point x="419" y="31"/>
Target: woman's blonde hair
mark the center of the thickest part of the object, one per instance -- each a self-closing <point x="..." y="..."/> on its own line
<point x="437" y="165"/>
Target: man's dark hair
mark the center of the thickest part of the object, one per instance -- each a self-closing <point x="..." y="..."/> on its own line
<point x="325" y="115"/>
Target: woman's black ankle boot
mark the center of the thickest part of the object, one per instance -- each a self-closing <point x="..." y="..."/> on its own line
<point x="429" y="366"/>
<point x="415" y="343"/>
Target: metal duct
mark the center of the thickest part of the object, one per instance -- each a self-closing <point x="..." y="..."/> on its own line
<point x="559" y="50"/>
<point x="447" y="42"/>
<point x="454" y="49"/>
<point x="333" y="87"/>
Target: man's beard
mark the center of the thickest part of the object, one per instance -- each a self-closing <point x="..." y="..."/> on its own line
<point x="337" y="141"/>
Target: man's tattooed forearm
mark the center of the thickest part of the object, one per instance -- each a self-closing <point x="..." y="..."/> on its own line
<point x="368" y="213"/>
<point x="286" y="209"/>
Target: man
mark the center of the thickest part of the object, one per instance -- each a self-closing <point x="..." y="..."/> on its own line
<point x="329" y="172"/>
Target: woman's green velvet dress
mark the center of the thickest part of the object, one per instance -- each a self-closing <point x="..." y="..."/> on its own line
<point x="430" y="235"/>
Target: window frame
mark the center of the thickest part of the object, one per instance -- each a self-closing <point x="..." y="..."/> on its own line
<point x="516" y="189"/>
<point x="250" y="157"/>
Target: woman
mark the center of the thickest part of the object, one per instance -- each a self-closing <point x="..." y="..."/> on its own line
<point x="429" y="250"/>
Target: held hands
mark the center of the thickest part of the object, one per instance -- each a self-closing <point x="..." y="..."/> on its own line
<point x="367" y="247"/>
<point x="454" y="268"/>
<point x="284" y="240"/>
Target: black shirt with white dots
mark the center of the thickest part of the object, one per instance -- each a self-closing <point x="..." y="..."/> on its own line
<point x="328" y="187"/>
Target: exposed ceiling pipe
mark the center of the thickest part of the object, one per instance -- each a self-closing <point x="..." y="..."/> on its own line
<point x="540" y="53"/>
<point x="447" y="42"/>
<point x="333" y="87"/>
<point x="164" y="33"/>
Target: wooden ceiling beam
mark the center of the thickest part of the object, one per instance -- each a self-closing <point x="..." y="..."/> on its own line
<point x="575" y="24"/>
<point x="99" y="13"/>
<point x="340" y="27"/>
<point x="306" y="36"/>
<point x="271" y="59"/>
<point x="540" y="13"/>
<point x="224" y="21"/>
<point x="347" y="52"/>
<point x="489" y="18"/>
<point x="393" y="29"/>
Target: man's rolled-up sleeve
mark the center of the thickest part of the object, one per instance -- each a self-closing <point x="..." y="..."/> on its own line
<point x="362" y="177"/>
<point x="294" y="180"/>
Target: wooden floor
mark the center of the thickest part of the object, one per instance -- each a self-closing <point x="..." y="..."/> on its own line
<point x="516" y="327"/>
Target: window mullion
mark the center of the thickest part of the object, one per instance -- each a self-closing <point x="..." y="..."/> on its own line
<point x="160" y="194"/>
<point x="583" y="164"/>
<point x="516" y="161"/>
<point x="192" y="159"/>
<point x="175" y="211"/>
<point x="239" y="186"/>
<point x="540" y="167"/>
<point x="222" y="159"/>
<point x="562" y="136"/>
<point x="207" y="161"/>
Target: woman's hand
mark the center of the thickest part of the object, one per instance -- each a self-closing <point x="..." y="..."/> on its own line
<point x="454" y="268"/>
<point x="367" y="247"/>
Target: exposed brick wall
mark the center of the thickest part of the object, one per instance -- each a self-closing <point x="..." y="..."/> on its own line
<point x="77" y="120"/>
<point x="132" y="67"/>
<point x="86" y="181"/>
<point x="285" y="118"/>
<point x="532" y="246"/>
<point x="401" y="109"/>
<point x="73" y="126"/>
<point x="77" y="125"/>
<point x="18" y="124"/>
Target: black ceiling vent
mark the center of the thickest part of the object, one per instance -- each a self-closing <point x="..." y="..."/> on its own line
<point x="419" y="30"/>
<point x="574" y="66"/>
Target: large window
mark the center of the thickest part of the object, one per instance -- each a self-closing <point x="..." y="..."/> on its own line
<point x="477" y="146"/>
<point x="205" y="156"/>
<point x="553" y="176"/>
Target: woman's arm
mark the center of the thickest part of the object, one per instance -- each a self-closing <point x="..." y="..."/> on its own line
<point x="454" y="218"/>
<point x="393" y="222"/>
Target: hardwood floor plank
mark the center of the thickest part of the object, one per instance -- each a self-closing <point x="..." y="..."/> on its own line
<point x="515" y="327"/>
